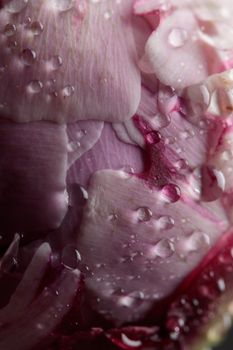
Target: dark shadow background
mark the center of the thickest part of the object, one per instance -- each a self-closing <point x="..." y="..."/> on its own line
<point x="227" y="344"/>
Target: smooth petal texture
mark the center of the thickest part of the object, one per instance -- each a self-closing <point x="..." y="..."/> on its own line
<point x="131" y="238"/>
<point x="56" y="67"/>
<point x="33" y="165"/>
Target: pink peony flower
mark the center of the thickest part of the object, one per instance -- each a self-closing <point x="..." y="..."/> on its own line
<point x="116" y="172"/>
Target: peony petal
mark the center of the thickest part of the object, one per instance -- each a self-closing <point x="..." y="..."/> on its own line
<point x="82" y="137"/>
<point x="33" y="164"/>
<point x="108" y="153"/>
<point x="174" y="52"/>
<point x="57" y="68"/>
<point x="131" y="238"/>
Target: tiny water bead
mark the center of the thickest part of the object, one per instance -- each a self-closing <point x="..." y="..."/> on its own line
<point x="162" y="249"/>
<point x="170" y="193"/>
<point x="35" y="86"/>
<point x="177" y="37"/>
<point x="10" y="29"/>
<point x="144" y="214"/>
<point x="28" y="57"/>
<point x="16" y="6"/>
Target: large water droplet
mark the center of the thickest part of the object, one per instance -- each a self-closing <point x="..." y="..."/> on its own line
<point x="170" y="193"/>
<point x="212" y="183"/>
<point x="161" y="121"/>
<point x="28" y="57"/>
<point x="144" y="214"/>
<point x="197" y="241"/>
<point x="71" y="257"/>
<point x="177" y="37"/>
<point x="36" y="28"/>
<point x="163" y="249"/>
<point x="55" y="62"/>
<point x="63" y="5"/>
<point x="35" y="86"/>
<point x="165" y="223"/>
<point x="67" y="91"/>
<point x="10" y="29"/>
<point x="16" y="6"/>
<point x="153" y="137"/>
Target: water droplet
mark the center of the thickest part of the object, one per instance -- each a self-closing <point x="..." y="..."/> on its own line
<point x="67" y="91"/>
<point x="108" y="15"/>
<point x="131" y="300"/>
<point x="197" y="241"/>
<point x="163" y="249"/>
<point x="161" y="121"/>
<point x="165" y="223"/>
<point x="177" y="37"/>
<point x="144" y="214"/>
<point x="35" y="86"/>
<point x="181" y="165"/>
<point x="10" y="29"/>
<point x="55" y="62"/>
<point x="212" y="183"/>
<point x="71" y="257"/>
<point x="16" y="6"/>
<point x="221" y="284"/>
<point x="129" y="342"/>
<point x="28" y="57"/>
<point x="153" y="137"/>
<point x="187" y="134"/>
<point x="63" y="5"/>
<point x="170" y="193"/>
<point x="36" y="28"/>
<point x="84" y="192"/>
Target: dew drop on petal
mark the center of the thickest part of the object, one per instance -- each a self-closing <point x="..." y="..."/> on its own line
<point x="10" y="29"/>
<point x="165" y="223"/>
<point x="55" y="62"/>
<point x="212" y="183"/>
<point x="153" y="137"/>
<point x="163" y="249"/>
<point x="170" y="193"/>
<point x="68" y="91"/>
<point x="71" y="257"/>
<point x="28" y="57"/>
<point x="197" y="240"/>
<point x="144" y="214"/>
<point x="63" y="5"/>
<point x="177" y="37"/>
<point x="35" y="86"/>
<point x="36" y="28"/>
<point x="129" y="342"/>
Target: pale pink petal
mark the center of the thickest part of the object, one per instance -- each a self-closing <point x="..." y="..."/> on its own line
<point x="56" y="67"/>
